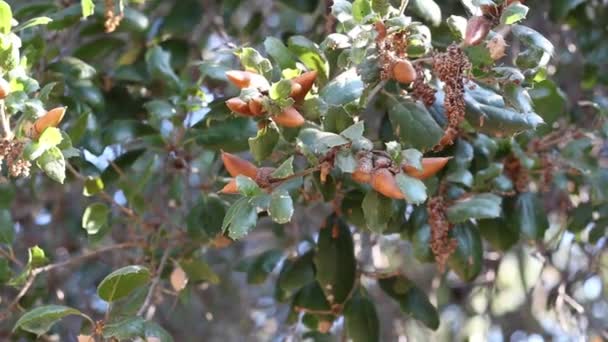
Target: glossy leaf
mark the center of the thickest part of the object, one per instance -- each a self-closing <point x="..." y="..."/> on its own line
<point x="41" y="319"/>
<point x="122" y="282"/>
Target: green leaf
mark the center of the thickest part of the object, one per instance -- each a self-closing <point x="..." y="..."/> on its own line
<point x="335" y="261"/>
<point x="92" y="186"/>
<point x="280" y="90"/>
<point x="345" y="88"/>
<point x="262" y="145"/>
<point x="158" y="62"/>
<point x="478" y="207"/>
<point x="240" y="218"/>
<point x="306" y="6"/>
<point x="6" y="17"/>
<point x="33" y="22"/>
<point x="285" y="169"/>
<point x="514" y="13"/>
<point x="200" y="223"/>
<point x="36" y="257"/>
<point x="411" y="300"/>
<point x="345" y="161"/>
<point x="354" y="132"/>
<point x="281" y="207"/>
<point x="427" y="10"/>
<point x="296" y="273"/>
<point x="127" y="329"/>
<point x="252" y="60"/>
<point x="413" y="123"/>
<point x="262" y="265"/>
<point x="52" y="163"/>
<point x="310" y="55"/>
<point x="7" y="227"/>
<point x="377" y="210"/>
<point x="525" y="213"/>
<point x="361" y="319"/>
<point x="467" y="260"/>
<point x="311" y="297"/>
<point x="279" y="53"/>
<point x="153" y="330"/>
<point x="498" y="233"/>
<point x="549" y="101"/>
<point x="73" y="68"/>
<point x="198" y="271"/>
<point x="41" y="319"/>
<point x="88" y="8"/>
<point x="112" y="174"/>
<point x="95" y="217"/>
<point x="381" y="6"/>
<point x="122" y="282"/>
<point x="413" y="189"/>
<point x="533" y="38"/>
<point x="361" y="9"/>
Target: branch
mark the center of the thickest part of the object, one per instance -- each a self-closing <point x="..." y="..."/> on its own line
<point x="36" y="271"/>
<point x="155" y="282"/>
<point x="5" y="123"/>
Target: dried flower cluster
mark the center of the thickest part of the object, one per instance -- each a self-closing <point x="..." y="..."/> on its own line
<point x="452" y="67"/>
<point x="441" y="244"/>
<point x="517" y="173"/>
<point x="112" y="19"/>
<point x="12" y="151"/>
<point x="422" y="91"/>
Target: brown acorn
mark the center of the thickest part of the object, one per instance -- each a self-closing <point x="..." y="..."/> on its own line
<point x="430" y="166"/>
<point x="384" y="182"/>
<point x="238" y="166"/>
<point x="230" y="188"/>
<point x="256" y="107"/>
<point x="289" y="118"/>
<point x="238" y="106"/>
<point x="404" y="72"/>
<point x="363" y="172"/>
<point x="52" y="118"/>
<point x="478" y="28"/>
<point x="306" y="81"/>
<point x="5" y="88"/>
<point x="247" y="79"/>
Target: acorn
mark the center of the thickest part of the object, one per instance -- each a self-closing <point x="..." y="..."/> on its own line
<point x="256" y="107"/>
<point x="5" y="88"/>
<point x="430" y="166"/>
<point x="306" y="81"/>
<point x="239" y="106"/>
<point x="384" y="182"/>
<point x="478" y="28"/>
<point x="363" y="172"/>
<point x="230" y="188"/>
<point x="238" y="166"/>
<point x="52" y="118"/>
<point x="404" y="72"/>
<point x="247" y="79"/>
<point x="290" y="117"/>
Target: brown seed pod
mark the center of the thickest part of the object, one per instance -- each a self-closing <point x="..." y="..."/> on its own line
<point x="238" y="166"/>
<point x="404" y="72"/>
<point x="382" y="162"/>
<point x="289" y="118"/>
<point x="230" y="187"/>
<point x="247" y="79"/>
<point x="384" y="182"/>
<point x="255" y="106"/>
<point x="478" y="28"/>
<point x="5" y="88"/>
<point x="306" y="81"/>
<point x="221" y="241"/>
<point x="52" y="118"/>
<point x="238" y="106"/>
<point x="430" y="166"/>
<point x="497" y="47"/>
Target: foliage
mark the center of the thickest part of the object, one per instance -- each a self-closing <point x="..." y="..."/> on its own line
<point x="422" y="153"/>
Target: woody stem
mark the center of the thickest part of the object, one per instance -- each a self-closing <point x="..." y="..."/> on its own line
<point x="4" y="122"/>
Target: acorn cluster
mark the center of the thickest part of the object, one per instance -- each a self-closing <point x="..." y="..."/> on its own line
<point x="11" y="151"/>
<point x="452" y="68"/>
<point x="112" y="19"/>
<point x="392" y="50"/>
<point x="257" y="103"/>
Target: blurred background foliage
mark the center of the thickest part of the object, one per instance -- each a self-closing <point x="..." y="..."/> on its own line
<point x="556" y="289"/>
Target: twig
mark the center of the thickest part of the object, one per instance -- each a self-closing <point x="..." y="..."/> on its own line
<point x="375" y="90"/>
<point x="11" y="257"/>
<point x="403" y="6"/>
<point x="36" y="271"/>
<point x="155" y="282"/>
<point x="5" y="123"/>
<point x="295" y="175"/>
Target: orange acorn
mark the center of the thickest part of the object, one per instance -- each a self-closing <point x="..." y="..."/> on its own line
<point x="306" y="81"/>
<point x="52" y="118"/>
<point x="247" y="79"/>
<point x="363" y="173"/>
<point x="404" y="72"/>
<point x="230" y="188"/>
<point x="430" y="166"/>
<point x="289" y="118"/>
<point x="478" y="28"/>
<point x="256" y="107"/>
<point x="5" y="88"/>
<point x="238" y="166"/>
<point x="238" y="106"/>
<point x="384" y="182"/>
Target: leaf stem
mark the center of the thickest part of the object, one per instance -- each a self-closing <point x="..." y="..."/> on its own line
<point x="155" y="281"/>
